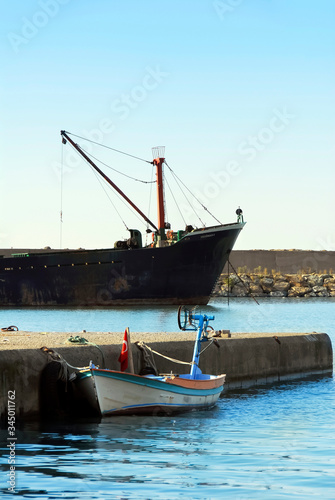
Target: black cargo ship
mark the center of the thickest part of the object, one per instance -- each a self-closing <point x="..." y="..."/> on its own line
<point x="176" y="268"/>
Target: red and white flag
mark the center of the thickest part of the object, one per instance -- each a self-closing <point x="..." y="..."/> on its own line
<point x="123" y="358"/>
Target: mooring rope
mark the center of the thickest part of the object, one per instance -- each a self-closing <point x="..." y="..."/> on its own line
<point x="207" y="346"/>
<point x="55" y="356"/>
<point x="142" y="344"/>
<point x="249" y="293"/>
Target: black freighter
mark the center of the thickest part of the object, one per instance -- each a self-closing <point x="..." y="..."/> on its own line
<point x="176" y="268"/>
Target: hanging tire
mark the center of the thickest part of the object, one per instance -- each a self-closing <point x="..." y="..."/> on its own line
<point x="51" y="389"/>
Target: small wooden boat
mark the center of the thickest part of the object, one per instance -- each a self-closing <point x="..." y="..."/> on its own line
<point x="120" y="393"/>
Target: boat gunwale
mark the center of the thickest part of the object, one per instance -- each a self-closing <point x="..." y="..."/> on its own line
<point x="204" y="387"/>
<point x="77" y="251"/>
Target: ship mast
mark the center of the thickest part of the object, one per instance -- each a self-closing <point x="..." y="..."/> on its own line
<point x="158" y="154"/>
<point x="107" y="179"/>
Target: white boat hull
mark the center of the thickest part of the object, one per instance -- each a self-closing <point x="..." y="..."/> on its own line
<point x="123" y="393"/>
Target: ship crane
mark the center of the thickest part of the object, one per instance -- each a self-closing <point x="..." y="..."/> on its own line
<point x="158" y="153"/>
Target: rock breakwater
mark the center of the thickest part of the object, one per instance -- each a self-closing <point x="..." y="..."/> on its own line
<point x="275" y="285"/>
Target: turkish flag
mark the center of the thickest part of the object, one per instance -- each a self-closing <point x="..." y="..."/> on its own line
<point x="123" y="358"/>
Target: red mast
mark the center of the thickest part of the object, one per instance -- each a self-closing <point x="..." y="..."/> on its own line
<point x="158" y="154"/>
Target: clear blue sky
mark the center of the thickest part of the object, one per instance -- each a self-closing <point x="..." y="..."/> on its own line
<point x="241" y="93"/>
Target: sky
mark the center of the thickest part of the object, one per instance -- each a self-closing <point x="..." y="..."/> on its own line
<point x="240" y="93"/>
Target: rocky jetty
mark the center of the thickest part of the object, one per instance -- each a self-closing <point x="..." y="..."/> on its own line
<point x="275" y="285"/>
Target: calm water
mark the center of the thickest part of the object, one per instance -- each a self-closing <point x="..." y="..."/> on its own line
<point x="242" y="315"/>
<point x="273" y="442"/>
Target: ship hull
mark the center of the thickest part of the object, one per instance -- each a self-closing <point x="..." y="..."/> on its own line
<point x="183" y="273"/>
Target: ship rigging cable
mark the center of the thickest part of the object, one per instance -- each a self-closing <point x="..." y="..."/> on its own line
<point x="103" y="187"/>
<point x="150" y="197"/>
<point x="61" y="197"/>
<point x="108" y="147"/>
<point x="118" y="196"/>
<point x="177" y="180"/>
<point x="187" y="200"/>
<point x="118" y="171"/>
<point x="87" y="158"/>
<point x="203" y="206"/>
<point x="178" y="208"/>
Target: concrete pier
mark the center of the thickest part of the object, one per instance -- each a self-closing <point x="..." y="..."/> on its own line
<point x="246" y="359"/>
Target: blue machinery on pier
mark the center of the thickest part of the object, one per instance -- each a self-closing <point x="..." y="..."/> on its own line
<point x="195" y="321"/>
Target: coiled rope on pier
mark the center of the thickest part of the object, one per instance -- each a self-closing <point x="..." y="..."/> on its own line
<point x="81" y="340"/>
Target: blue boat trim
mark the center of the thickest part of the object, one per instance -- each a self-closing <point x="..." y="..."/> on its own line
<point x="155" y="405"/>
<point x="82" y="375"/>
<point x="157" y="384"/>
